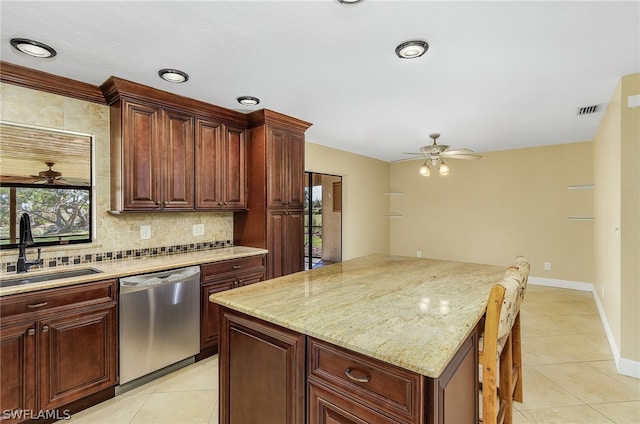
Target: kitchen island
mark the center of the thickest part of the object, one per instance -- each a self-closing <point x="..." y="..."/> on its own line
<point x="373" y="339"/>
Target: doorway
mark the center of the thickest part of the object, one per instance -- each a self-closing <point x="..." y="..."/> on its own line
<point x="323" y="219"/>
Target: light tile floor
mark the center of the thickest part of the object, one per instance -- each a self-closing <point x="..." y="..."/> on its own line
<point x="569" y="375"/>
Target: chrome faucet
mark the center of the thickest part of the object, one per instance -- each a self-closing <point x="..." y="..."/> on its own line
<point x="26" y="239"/>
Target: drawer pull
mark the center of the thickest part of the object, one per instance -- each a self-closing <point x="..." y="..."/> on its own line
<point x="45" y="329"/>
<point x="364" y="379"/>
<point x="36" y="305"/>
<point x="236" y="267"/>
<point x="31" y="331"/>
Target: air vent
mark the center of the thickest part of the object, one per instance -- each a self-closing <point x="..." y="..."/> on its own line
<point x="586" y="110"/>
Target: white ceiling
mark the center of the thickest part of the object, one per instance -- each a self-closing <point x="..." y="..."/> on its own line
<point x="498" y="75"/>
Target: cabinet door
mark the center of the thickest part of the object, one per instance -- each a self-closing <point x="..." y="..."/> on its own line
<point x="209" y="322"/>
<point x="141" y="174"/>
<point x="77" y="355"/>
<point x="285" y="244"/>
<point x="250" y="278"/>
<point x="295" y="169"/>
<point x="285" y="178"/>
<point x="17" y="369"/>
<point x="293" y="242"/>
<point x="177" y="159"/>
<point x="276" y="243"/>
<point x="209" y="160"/>
<point x="277" y="163"/>
<point x="235" y="184"/>
<point x="262" y="378"/>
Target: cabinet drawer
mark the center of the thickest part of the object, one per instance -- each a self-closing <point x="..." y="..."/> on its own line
<point x="84" y="294"/>
<point x="214" y="269"/>
<point x="385" y="388"/>
<point x="327" y="406"/>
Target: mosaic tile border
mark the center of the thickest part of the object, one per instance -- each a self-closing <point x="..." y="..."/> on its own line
<point x="118" y="255"/>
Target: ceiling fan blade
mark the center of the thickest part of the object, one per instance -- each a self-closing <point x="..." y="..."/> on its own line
<point x="18" y="179"/>
<point x="469" y="156"/>
<point x="457" y="151"/>
<point x="408" y="159"/>
<point x="413" y="153"/>
<point x="73" y="181"/>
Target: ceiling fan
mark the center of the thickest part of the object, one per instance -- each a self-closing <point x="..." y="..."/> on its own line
<point x="436" y="153"/>
<point x="48" y="177"/>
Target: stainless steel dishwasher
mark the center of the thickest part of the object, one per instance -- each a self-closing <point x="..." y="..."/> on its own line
<point x="159" y="321"/>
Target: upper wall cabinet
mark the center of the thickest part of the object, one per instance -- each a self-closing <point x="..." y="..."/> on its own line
<point x="220" y="166"/>
<point x="152" y="158"/>
<point x="171" y="153"/>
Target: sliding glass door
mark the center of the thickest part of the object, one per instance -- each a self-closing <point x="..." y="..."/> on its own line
<point x="323" y="219"/>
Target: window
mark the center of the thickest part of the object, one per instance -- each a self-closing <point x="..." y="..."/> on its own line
<point x="47" y="174"/>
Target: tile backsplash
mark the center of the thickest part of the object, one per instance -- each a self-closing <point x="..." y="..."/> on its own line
<point x="117" y="255"/>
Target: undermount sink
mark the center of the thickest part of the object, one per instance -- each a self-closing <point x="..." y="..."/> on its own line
<point x="21" y="279"/>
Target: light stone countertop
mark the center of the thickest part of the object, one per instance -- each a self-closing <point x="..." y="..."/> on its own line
<point x="126" y="267"/>
<point x="414" y="313"/>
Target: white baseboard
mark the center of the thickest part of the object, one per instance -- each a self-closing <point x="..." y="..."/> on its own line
<point x="624" y="366"/>
<point x="561" y="284"/>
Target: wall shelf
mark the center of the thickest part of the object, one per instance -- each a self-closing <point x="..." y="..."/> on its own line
<point x="393" y="193"/>
<point x="581" y="218"/>
<point x="393" y="216"/>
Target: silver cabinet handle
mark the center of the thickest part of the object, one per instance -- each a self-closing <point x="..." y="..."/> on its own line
<point x="45" y="328"/>
<point x="31" y="331"/>
<point x="364" y="379"/>
<point x="236" y="267"/>
<point x="36" y="305"/>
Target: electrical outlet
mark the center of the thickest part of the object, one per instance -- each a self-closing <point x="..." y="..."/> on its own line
<point x="419" y="253"/>
<point x="198" y="229"/>
<point x="145" y="232"/>
<point x="547" y="266"/>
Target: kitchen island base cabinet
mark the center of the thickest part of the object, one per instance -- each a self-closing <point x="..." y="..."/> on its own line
<point x="58" y="349"/>
<point x="262" y="371"/>
<point x="263" y="379"/>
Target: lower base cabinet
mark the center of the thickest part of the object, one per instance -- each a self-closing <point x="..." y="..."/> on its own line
<point x="275" y="375"/>
<point x="57" y="346"/>
<point x="220" y="276"/>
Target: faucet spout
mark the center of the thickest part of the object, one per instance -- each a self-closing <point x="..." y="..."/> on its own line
<point x="26" y="239"/>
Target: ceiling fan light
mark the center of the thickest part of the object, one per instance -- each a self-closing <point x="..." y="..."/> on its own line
<point x="33" y="48"/>
<point x="424" y="170"/>
<point x="173" y="75"/>
<point x="443" y="169"/>
<point x="412" y="49"/>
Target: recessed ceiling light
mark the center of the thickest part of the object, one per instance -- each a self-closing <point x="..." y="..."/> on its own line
<point x="412" y="49"/>
<point x="173" y="75"/>
<point x="248" y="100"/>
<point x="349" y="1"/>
<point x="32" y="48"/>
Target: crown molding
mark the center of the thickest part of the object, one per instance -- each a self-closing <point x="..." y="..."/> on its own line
<point x="42" y="81"/>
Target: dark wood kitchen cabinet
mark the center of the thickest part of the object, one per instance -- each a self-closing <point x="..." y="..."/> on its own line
<point x="266" y="378"/>
<point x="220" y="166"/>
<point x="274" y="220"/>
<point x="220" y="276"/>
<point x="286" y="236"/>
<point x="58" y="348"/>
<point x="171" y="153"/>
<point x="152" y="156"/>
